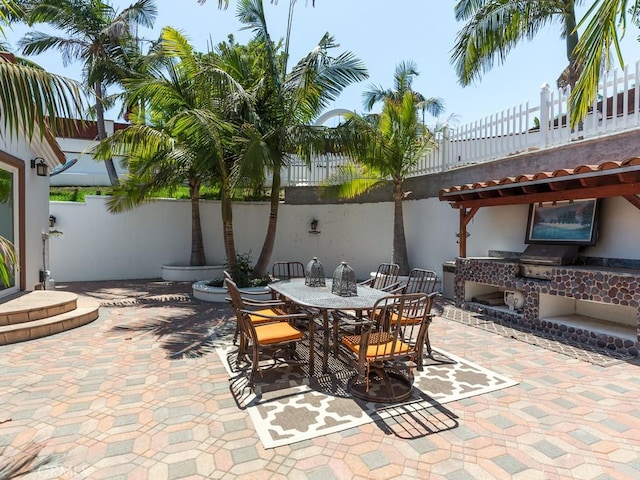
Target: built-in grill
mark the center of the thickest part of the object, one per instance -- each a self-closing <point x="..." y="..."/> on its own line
<point x="538" y="261"/>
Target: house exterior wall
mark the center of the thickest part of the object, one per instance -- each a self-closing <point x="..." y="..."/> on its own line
<point x="86" y="171"/>
<point x="32" y="212"/>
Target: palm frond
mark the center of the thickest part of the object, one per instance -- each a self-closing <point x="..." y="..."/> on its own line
<point x="8" y="261"/>
<point x="600" y="33"/>
<point x="30" y="95"/>
<point x="351" y="180"/>
<point x="494" y="29"/>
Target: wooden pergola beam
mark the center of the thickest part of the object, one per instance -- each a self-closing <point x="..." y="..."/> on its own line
<point x="604" y="191"/>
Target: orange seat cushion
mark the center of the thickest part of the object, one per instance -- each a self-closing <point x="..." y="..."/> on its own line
<point x="277" y="333"/>
<point x="380" y="345"/>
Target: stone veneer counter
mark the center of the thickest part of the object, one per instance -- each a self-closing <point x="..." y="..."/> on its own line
<point x="591" y="304"/>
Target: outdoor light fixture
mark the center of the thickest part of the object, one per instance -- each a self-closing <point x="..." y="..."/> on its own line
<point x="40" y="166"/>
<point x="344" y="281"/>
<point x="314" y="274"/>
<point x="314" y="226"/>
<point x="52" y="221"/>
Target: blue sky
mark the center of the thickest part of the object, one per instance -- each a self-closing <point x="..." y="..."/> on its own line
<point x="382" y="34"/>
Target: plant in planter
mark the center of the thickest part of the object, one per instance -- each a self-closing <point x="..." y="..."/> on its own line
<point x="241" y="272"/>
<point x="215" y="291"/>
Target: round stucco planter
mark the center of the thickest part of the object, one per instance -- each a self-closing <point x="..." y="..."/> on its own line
<point x="207" y="293"/>
<point x="188" y="273"/>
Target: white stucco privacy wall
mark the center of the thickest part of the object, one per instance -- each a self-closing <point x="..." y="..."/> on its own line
<point x="100" y="246"/>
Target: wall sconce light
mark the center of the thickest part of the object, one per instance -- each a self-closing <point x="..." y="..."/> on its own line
<point x="40" y="166"/>
<point x="52" y="221"/>
<point x="314" y="227"/>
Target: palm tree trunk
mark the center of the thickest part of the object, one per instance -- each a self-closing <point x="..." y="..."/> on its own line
<point x="197" y="245"/>
<point x="102" y="132"/>
<point x="400" y="255"/>
<point x="260" y="269"/>
<point x="227" y="224"/>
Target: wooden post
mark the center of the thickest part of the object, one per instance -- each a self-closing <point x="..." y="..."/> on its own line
<point x="465" y="218"/>
<point x="462" y="239"/>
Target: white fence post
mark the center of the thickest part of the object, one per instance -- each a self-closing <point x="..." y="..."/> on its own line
<point x="444" y="148"/>
<point x="544" y="115"/>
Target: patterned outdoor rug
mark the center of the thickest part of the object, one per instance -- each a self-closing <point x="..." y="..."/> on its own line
<point x="287" y="407"/>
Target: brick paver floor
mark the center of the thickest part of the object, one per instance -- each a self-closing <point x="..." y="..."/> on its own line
<point x="141" y="394"/>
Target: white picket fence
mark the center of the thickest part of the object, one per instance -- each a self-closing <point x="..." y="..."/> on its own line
<point x="513" y="131"/>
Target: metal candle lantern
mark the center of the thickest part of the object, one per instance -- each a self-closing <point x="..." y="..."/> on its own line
<point x="314" y="274"/>
<point x="344" y="281"/>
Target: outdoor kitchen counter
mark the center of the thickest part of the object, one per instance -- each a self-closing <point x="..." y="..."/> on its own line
<point x="589" y="298"/>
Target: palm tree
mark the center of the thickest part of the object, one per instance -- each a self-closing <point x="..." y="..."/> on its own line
<point x="96" y="34"/>
<point x="180" y="134"/>
<point x="387" y="146"/>
<point x="495" y="27"/>
<point x="286" y="104"/>
<point x="384" y="148"/>
<point x="402" y="82"/>
<point x="602" y="23"/>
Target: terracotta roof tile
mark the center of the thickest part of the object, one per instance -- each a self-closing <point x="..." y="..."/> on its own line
<point x="519" y="187"/>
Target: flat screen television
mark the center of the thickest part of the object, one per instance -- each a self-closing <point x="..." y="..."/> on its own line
<point x="570" y="222"/>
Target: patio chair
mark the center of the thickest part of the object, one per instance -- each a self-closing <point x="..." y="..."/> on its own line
<point x="261" y="306"/>
<point x="287" y="270"/>
<point x="419" y="281"/>
<point x="385" y="278"/>
<point x="386" y="353"/>
<point x="399" y="321"/>
<point x="261" y="329"/>
<point x="284" y="271"/>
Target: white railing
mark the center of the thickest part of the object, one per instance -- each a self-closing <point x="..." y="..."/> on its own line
<point x="514" y="131"/>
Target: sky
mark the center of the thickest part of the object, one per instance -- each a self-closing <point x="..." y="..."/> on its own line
<point x="382" y="34"/>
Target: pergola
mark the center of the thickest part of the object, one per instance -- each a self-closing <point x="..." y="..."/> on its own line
<point x="608" y="179"/>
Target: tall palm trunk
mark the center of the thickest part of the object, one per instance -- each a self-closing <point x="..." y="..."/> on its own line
<point x="102" y="132"/>
<point x="571" y="41"/>
<point x="197" y="245"/>
<point x="260" y="269"/>
<point x="400" y="254"/>
<point x="227" y="223"/>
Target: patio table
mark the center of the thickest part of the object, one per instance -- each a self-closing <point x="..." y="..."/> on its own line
<point x="322" y="299"/>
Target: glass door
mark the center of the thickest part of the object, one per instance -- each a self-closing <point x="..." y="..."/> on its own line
<point x="7" y="221"/>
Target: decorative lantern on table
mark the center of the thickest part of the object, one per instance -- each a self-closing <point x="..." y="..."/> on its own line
<point x="314" y="274"/>
<point x="344" y="281"/>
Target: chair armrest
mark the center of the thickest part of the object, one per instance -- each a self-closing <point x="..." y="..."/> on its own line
<point x="366" y="282"/>
<point x="263" y="303"/>
<point x="351" y="319"/>
<point x="393" y="288"/>
<point x="250" y="293"/>
<point x="288" y="316"/>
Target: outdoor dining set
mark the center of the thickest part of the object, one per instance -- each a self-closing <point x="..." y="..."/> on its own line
<point x="378" y="329"/>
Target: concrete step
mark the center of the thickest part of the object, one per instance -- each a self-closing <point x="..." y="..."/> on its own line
<point x="86" y="311"/>
<point x="36" y="305"/>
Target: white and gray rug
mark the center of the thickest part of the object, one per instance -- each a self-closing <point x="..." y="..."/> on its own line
<point x="288" y="406"/>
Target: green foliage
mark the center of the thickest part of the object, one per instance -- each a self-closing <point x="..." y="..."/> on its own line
<point x="242" y="270"/>
<point x="8" y="261"/>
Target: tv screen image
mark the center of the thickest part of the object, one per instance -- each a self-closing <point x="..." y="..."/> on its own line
<point x="573" y="222"/>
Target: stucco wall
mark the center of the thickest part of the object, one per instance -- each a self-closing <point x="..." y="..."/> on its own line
<point x="36" y="208"/>
<point x="98" y="246"/>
